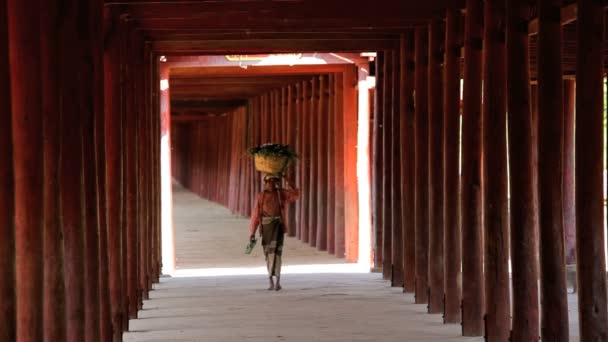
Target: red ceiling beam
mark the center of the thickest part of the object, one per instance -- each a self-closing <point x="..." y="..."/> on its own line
<point x="273" y="46"/>
<point x="287" y="9"/>
<point x="178" y="35"/>
<point x="190" y="118"/>
<point x="274" y="70"/>
<point x="275" y="81"/>
<point x="244" y="21"/>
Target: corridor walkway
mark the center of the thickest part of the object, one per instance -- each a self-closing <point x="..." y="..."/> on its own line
<point x="218" y="293"/>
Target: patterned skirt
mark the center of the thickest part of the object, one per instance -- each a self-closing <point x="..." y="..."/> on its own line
<point x="272" y="242"/>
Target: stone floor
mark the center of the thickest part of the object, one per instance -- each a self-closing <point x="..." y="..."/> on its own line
<point x="218" y="293"/>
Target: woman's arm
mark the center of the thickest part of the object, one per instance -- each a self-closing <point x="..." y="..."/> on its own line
<point x="255" y="216"/>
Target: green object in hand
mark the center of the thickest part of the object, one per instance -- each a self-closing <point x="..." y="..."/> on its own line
<point x="250" y="245"/>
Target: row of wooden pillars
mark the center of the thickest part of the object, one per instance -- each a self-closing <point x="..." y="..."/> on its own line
<point x="209" y="157"/>
<point x="79" y="205"/>
<point x="448" y="231"/>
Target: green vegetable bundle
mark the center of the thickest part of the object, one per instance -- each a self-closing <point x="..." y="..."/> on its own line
<point x="274" y="150"/>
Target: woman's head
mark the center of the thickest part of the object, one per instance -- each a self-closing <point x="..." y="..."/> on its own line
<point x="271" y="182"/>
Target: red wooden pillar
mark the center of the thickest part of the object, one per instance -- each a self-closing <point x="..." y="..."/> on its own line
<point x="274" y="117"/>
<point x="54" y="289"/>
<point x="125" y="29"/>
<point x="408" y="159"/>
<point x="590" y="238"/>
<point x="331" y="176"/>
<point x="387" y="118"/>
<point x="523" y="243"/>
<point x="322" y="162"/>
<point x="534" y="119"/>
<point x="25" y="91"/>
<point x="471" y="197"/>
<point x="568" y="172"/>
<point x="71" y="177"/>
<point x="298" y="148"/>
<point x="131" y="166"/>
<point x="145" y="252"/>
<point x="422" y="163"/>
<point x="291" y="122"/>
<point x="314" y="161"/>
<point x="435" y="168"/>
<point x="554" y="323"/>
<point x="494" y="154"/>
<point x="7" y="219"/>
<point x="452" y="240"/>
<point x="112" y="111"/>
<point x="105" y="323"/>
<point x="340" y="167"/>
<point x="396" y="196"/>
<point x="378" y="163"/>
<point x="351" y="199"/>
<point x="305" y="162"/>
<point x="86" y="110"/>
<point x="156" y="117"/>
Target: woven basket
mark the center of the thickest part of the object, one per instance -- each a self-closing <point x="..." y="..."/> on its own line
<point x="270" y="165"/>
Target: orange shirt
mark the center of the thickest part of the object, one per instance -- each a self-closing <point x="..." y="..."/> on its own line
<point x="267" y="204"/>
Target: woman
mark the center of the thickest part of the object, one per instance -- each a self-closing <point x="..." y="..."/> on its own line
<point x="268" y="212"/>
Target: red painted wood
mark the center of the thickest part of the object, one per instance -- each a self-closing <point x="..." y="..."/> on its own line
<point x="452" y="238"/>
<point x="298" y="148"/>
<point x="157" y="179"/>
<point x="387" y="119"/>
<point x="534" y="119"/>
<point x="143" y="186"/>
<point x="396" y="146"/>
<point x="113" y="171"/>
<point x="378" y="163"/>
<point x="291" y="138"/>
<point x="125" y="110"/>
<point x="105" y="323"/>
<point x="590" y="235"/>
<point x="7" y="205"/>
<point x="54" y="289"/>
<point x="408" y="153"/>
<point x="568" y="172"/>
<point x="400" y="112"/>
<point x="525" y="314"/>
<point x="351" y="199"/>
<point x="322" y="164"/>
<point x="422" y="161"/>
<point x="131" y="150"/>
<point x="86" y="110"/>
<point x="436" y="222"/>
<point x="554" y="323"/>
<point x="340" y="168"/>
<point x="331" y="177"/>
<point x="471" y="198"/>
<point x="494" y="154"/>
<point x="306" y="148"/>
<point x="24" y="59"/>
<point x="72" y="181"/>
<point x="314" y="161"/>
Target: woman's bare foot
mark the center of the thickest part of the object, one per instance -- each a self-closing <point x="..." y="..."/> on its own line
<point x="278" y="287"/>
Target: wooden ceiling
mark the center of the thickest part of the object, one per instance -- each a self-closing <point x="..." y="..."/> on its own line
<point x="217" y="90"/>
<point x="255" y="26"/>
<point x="217" y="27"/>
<point x="193" y="94"/>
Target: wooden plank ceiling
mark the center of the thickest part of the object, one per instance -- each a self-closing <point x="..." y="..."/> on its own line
<point x="216" y="27"/>
<point x="204" y="26"/>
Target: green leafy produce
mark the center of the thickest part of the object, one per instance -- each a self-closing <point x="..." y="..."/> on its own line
<point x="274" y="150"/>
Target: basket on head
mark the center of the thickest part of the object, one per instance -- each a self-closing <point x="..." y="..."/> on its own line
<point x="270" y="164"/>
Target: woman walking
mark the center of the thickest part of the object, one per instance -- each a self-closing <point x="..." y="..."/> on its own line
<point x="269" y="213"/>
